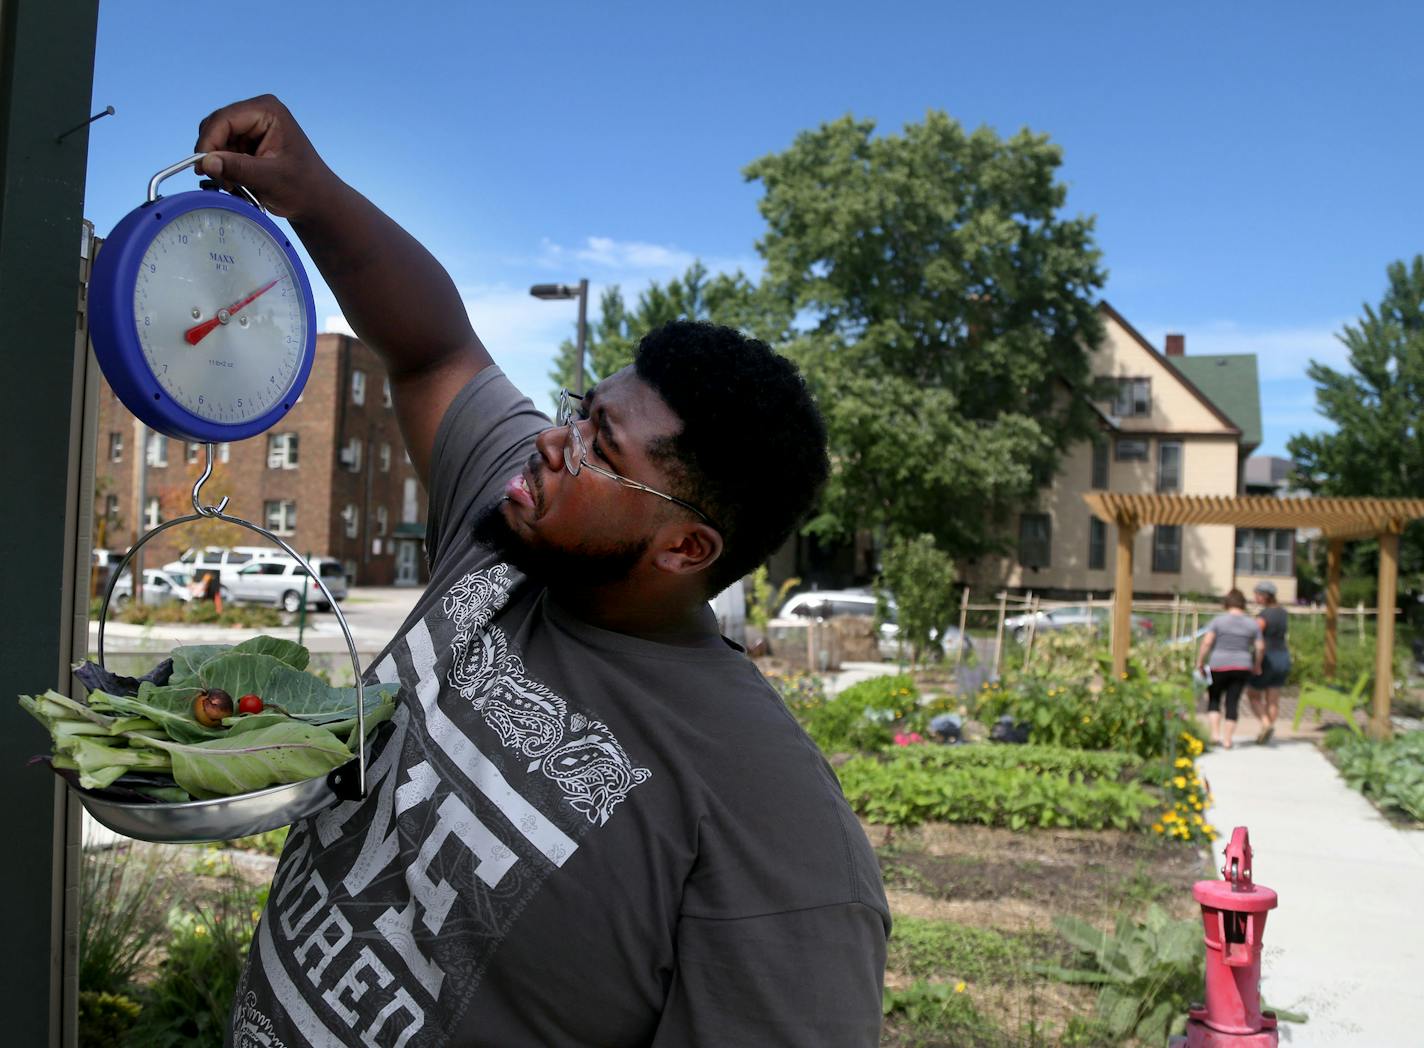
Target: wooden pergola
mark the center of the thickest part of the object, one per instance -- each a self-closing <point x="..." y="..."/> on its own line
<point x="1339" y="520"/>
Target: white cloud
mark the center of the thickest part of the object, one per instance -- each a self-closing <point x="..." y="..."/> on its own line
<point x="632" y="263"/>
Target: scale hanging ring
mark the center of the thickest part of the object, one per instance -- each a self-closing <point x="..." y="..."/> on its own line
<point x="183" y="165"/>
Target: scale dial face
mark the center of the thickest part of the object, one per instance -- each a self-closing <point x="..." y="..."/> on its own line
<point x="220" y="315"/>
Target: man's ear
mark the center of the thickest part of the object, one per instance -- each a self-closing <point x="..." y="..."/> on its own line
<point x="688" y="548"/>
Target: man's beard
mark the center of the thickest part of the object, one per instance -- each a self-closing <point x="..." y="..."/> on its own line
<point x="557" y="568"/>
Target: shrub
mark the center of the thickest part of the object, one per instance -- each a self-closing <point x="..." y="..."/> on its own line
<point x="901" y="791"/>
<point x="1133" y="715"/>
<point x="1352" y="656"/>
<point x="859" y="718"/>
<point x="920" y="577"/>
<point x="105" y="1019"/>
<point x="190" y="1000"/>
<point x="1390" y="773"/>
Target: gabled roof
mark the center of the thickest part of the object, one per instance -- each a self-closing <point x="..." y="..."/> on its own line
<point x="1176" y="372"/>
<point x="1230" y="380"/>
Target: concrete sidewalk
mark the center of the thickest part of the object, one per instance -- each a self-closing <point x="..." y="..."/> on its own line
<point x="1346" y="944"/>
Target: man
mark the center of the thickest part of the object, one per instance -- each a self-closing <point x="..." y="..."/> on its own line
<point x="591" y="821"/>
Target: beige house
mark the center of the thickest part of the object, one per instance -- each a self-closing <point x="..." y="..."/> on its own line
<point x="1176" y="424"/>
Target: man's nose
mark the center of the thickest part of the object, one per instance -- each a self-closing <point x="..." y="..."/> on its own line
<point x="550" y="444"/>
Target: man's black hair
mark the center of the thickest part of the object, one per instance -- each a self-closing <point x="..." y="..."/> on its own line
<point x="752" y="450"/>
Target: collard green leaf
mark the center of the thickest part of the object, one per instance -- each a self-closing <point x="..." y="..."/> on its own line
<point x="171" y="708"/>
<point x="101" y="761"/>
<point x="288" y="651"/>
<point x="299" y="694"/>
<point x="188" y="659"/>
<point x="245" y="761"/>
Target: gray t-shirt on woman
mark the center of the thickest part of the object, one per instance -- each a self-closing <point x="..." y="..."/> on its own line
<point x="572" y="837"/>
<point x="1235" y="647"/>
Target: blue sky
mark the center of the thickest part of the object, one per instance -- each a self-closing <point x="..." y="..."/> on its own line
<point x="1252" y="167"/>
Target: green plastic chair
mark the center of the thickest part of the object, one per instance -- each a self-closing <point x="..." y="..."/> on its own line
<point x="1337" y="700"/>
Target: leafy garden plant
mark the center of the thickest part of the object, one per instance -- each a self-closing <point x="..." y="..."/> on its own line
<point x="1149" y="972"/>
<point x="903" y="791"/>
<point x="1390" y="773"/>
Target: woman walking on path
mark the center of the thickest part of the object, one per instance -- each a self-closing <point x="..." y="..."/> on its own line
<point x="1233" y="642"/>
<point x="1264" y="689"/>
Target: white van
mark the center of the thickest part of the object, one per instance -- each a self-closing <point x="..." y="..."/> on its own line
<point x="283" y="583"/>
<point x="225" y="560"/>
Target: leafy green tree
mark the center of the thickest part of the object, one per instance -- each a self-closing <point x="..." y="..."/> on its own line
<point x="948" y="318"/>
<point x="920" y="577"/>
<point x="1377" y="407"/>
<point x="722" y="298"/>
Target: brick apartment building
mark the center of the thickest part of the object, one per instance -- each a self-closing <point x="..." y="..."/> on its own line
<point x="332" y="478"/>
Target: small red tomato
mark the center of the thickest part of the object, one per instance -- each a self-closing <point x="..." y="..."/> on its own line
<point x="249" y="704"/>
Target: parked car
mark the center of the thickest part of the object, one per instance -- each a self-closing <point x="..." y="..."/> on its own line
<point x="159" y="587"/>
<point x="827" y="604"/>
<point x="225" y="560"/>
<point x="1069" y="617"/>
<point x="282" y="582"/>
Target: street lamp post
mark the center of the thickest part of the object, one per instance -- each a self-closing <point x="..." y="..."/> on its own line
<point x="562" y="291"/>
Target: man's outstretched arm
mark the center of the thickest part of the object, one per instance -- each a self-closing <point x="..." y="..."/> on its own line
<point x="398" y="299"/>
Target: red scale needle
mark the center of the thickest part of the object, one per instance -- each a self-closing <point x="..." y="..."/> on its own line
<point x="198" y="332"/>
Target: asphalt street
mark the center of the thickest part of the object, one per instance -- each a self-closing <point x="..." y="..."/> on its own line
<point x="373" y="614"/>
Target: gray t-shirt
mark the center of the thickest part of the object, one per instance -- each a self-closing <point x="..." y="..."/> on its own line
<point x="1276" y="622"/>
<point x="570" y="836"/>
<point x="1235" y="647"/>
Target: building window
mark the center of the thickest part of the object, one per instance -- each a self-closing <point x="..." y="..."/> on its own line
<point x="190" y="452"/>
<point x="224" y="451"/>
<point x="1035" y="540"/>
<point x="385" y="457"/>
<point x="358" y="386"/>
<point x="1097" y="544"/>
<point x="1169" y="465"/>
<point x="281" y="451"/>
<point x="1134" y="397"/>
<point x="1264" y="552"/>
<point x="116" y="447"/>
<point x="281" y="516"/>
<point x="1130" y="449"/>
<point x="385" y="392"/>
<point x="382" y="520"/>
<point x="351" y="455"/>
<point x="1100" y="464"/>
<point x="111" y="506"/>
<point x="351" y="516"/>
<point x="156" y="450"/>
<point x="152" y="516"/>
<point x="409" y="502"/>
<point x="1167" y="548"/>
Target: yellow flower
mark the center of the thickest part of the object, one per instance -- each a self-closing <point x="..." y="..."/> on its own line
<point x="1169" y="816"/>
<point x="1208" y="828"/>
<point x="198" y="929"/>
<point x="1157" y="827"/>
<point x="959" y="986"/>
<point x="1182" y="762"/>
<point x="1180" y="782"/>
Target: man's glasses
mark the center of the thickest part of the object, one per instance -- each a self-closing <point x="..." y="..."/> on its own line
<point x="576" y="455"/>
